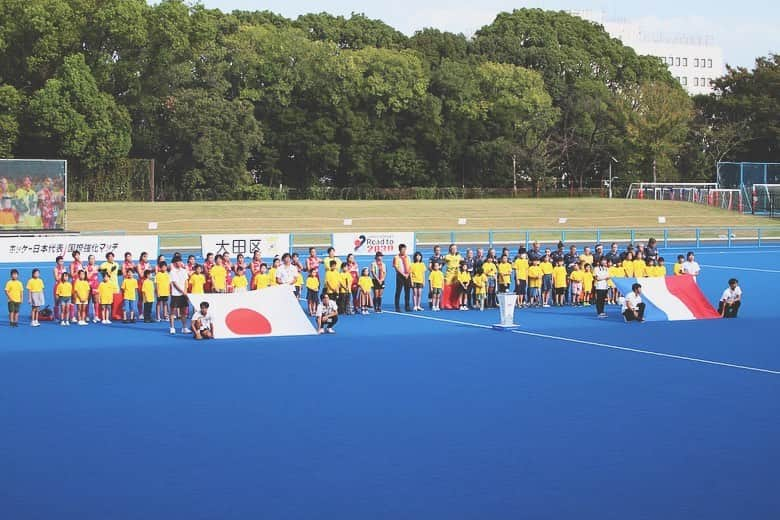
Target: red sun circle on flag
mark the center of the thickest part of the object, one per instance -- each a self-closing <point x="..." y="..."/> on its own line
<point x="247" y="322"/>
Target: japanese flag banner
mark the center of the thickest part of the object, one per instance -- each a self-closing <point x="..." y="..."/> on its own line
<point x="273" y="311"/>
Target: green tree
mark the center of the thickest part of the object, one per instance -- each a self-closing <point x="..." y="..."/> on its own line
<point x="10" y="105"/>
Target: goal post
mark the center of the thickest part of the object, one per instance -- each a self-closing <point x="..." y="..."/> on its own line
<point x="766" y="199"/>
<point x="683" y="191"/>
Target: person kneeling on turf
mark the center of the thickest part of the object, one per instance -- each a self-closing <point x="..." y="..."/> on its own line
<point x="633" y="308"/>
<point x="327" y="314"/>
<point x="730" y="300"/>
<point x="202" y="324"/>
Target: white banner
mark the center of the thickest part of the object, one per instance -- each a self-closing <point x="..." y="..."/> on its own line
<point x="268" y="245"/>
<point x="365" y="243"/>
<point x="45" y="248"/>
<point x="273" y="311"/>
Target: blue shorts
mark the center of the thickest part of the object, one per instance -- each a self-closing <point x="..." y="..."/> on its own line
<point x="129" y="305"/>
<point x="62" y="300"/>
<point x="546" y="282"/>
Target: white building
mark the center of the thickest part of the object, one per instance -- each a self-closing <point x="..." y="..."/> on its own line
<point x="693" y="60"/>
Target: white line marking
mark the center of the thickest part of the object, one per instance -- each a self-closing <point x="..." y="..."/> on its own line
<point x="732" y="268"/>
<point x="597" y="344"/>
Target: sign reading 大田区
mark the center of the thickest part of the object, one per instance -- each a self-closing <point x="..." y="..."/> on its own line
<point x="268" y="245"/>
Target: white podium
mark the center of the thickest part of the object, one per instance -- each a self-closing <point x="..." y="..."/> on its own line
<point x="506" y="309"/>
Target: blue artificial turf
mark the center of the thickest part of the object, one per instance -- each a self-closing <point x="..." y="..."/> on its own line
<point x="400" y="417"/>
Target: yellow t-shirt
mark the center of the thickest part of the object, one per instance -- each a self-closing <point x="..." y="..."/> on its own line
<point x="332" y="281"/>
<point x="617" y="272"/>
<point x="218" y="277"/>
<point x="346" y="283"/>
<point x="129" y="285"/>
<point x="520" y="265"/>
<point x="628" y="267"/>
<point x="106" y="292"/>
<point x="14" y="291"/>
<point x="272" y="276"/>
<point x="298" y="280"/>
<point x="640" y="268"/>
<point x="240" y="282"/>
<point x="677" y="268"/>
<point x="197" y="283"/>
<point x="504" y="273"/>
<point x="313" y="283"/>
<point x="35" y="285"/>
<point x="547" y="267"/>
<point x="417" y="273"/>
<point x="535" y="276"/>
<point x="365" y="283"/>
<point x="436" y="279"/>
<point x="480" y="283"/>
<point x="64" y="289"/>
<point x="163" y="283"/>
<point x="112" y="269"/>
<point x="586" y="259"/>
<point x="490" y="269"/>
<point x="559" y="277"/>
<point x="660" y="270"/>
<point x="453" y="266"/>
<point x="326" y="262"/>
<point x="576" y="276"/>
<point x="81" y="291"/>
<point x="261" y="280"/>
<point x="147" y="288"/>
<point x="587" y="281"/>
<point x="464" y="277"/>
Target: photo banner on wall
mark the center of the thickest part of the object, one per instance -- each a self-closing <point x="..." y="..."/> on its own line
<point x="269" y="245"/>
<point x="369" y="243"/>
<point x="45" y="248"/>
<point x="33" y="194"/>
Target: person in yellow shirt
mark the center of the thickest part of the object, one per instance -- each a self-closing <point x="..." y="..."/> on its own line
<point x="520" y="266"/>
<point x="81" y="290"/>
<point x="615" y="271"/>
<point x="218" y="275"/>
<point x="586" y="257"/>
<point x="640" y="267"/>
<point x="417" y="276"/>
<point x="677" y="268"/>
<point x="14" y="292"/>
<point x="332" y="258"/>
<point x="463" y="282"/>
<point x="240" y="283"/>
<point x="452" y="260"/>
<point x="272" y="271"/>
<point x="535" y="275"/>
<point x="587" y="285"/>
<point x="480" y="287"/>
<point x="576" y="277"/>
<point x="345" y="286"/>
<point x="504" y="274"/>
<point x="436" y="281"/>
<point x="147" y="290"/>
<point x="366" y="285"/>
<point x="313" y="290"/>
<point x="332" y="281"/>
<point x="628" y="265"/>
<point x="559" y="282"/>
<point x="112" y="268"/>
<point x="491" y="271"/>
<point x="547" y="281"/>
<point x="64" y="296"/>
<point x="129" y="290"/>
<point x="162" y="282"/>
<point x="661" y="267"/>
<point x="262" y="279"/>
<point x="37" y="298"/>
<point x="197" y="280"/>
<point x="106" y="296"/>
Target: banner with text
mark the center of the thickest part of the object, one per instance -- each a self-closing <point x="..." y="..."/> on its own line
<point x="368" y="244"/>
<point x="45" y="248"/>
<point x="273" y="311"/>
<point x="268" y="245"/>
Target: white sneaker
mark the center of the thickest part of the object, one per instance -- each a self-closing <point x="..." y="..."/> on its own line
<point x="74" y="320"/>
<point x="82" y="322"/>
<point x="35" y="324"/>
<point x="546" y="305"/>
<point x="185" y="330"/>
<point x="95" y="320"/>
<point x="331" y="330"/>
<point x="62" y="323"/>
<point x="108" y="322"/>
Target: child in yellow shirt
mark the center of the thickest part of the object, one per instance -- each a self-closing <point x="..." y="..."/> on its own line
<point x="520" y="266"/>
<point x="677" y="268"/>
<point x="218" y="275"/>
<point x="81" y="290"/>
<point x="417" y="277"/>
<point x="576" y="277"/>
<point x="129" y="288"/>
<point x="463" y="281"/>
<point x="587" y="284"/>
<point x="262" y="279"/>
<point x="162" y="282"/>
<point x="106" y="296"/>
<point x="332" y="281"/>
<point x="534" y="283"/>
<point x="559" y="282"/>
<point x="14" y="292"/>
<point x="491" y="271"/>
<point x="147" y="291"/>
<point x="313" y="290"/>
<point x="64" y="296"/>
<point x="436" y="281"/>
<point x="504" y="274"/>
<point x="480" y="287"/>
<point x="366" y="285"/>
<point x="547" y="281"/>
<point x="640" y="267"/>
<point x="661" y="267"/>
<point x="345" y="286"/>
<point x="197" y="281"/>
<point x="615" y="271"/>
<point x="240" y="282"/>
<point x="37" y="297"/>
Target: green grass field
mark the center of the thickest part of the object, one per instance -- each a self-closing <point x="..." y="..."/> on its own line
<point x="416" y="215"/>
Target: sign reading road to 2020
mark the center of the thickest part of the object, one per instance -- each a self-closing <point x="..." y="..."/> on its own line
<point x="268" y="245"/>
<point x="367" y="243"/>
<point x="46" y="248"/>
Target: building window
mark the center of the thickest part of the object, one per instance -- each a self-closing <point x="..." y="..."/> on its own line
<point x="670" y="60"/>
<point x="677" y="61"/>
<point x="685" y="62"/>
<point x="703" y="63"/>
<point x="695" y="82"/>
<point x="695" y="62"/>
<point x="709" y="63"/>
<point x="684" y="80"/>
<point x="702" y="82"/>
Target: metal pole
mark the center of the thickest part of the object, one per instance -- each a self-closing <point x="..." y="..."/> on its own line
<point x="514" y="175"/>
<point x="610" y="178"/>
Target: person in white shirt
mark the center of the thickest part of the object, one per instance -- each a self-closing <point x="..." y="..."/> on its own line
<point x="202" y="324"/>
<point x="633" y="308"/>
<point x="690" y="266"/>
<point x="327" y="314"/>
<point x="730" y="300"/>
<point x="600" y="277"/>
<point x="180" y="306"/>
<point x="287" y="272"/>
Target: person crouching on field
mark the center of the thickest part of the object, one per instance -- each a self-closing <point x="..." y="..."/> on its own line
<point x="202" y="324"/>
<point x="728" y="307"/>
<point x="327" y="314"/>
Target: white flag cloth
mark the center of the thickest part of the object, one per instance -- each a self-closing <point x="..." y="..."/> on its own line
<point x="273" y="311"/>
